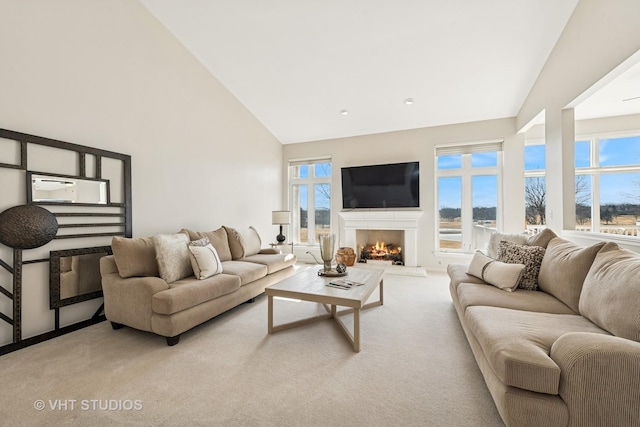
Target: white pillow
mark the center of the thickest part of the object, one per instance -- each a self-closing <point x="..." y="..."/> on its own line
<point x="172" y="256"/>
<point x="496" y="238"/>
<point x="499" y="274"/>
<point x="204" y="261"/>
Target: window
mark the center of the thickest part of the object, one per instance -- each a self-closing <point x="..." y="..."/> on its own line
<point x="535" y="185"/>
<point x="468" y="194"/>
<point x="310" y="195"/>
<point x="608" y="184"/>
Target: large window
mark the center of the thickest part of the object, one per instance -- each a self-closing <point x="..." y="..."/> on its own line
<point x="310" y="191"/>
<point x="608" y="184"/>
<point x="468" y="194"/>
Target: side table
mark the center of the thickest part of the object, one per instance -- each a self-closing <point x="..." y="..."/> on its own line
<point x="280" y="245"/>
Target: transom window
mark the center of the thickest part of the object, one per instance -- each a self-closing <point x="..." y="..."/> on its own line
<point x="310" y="195"/>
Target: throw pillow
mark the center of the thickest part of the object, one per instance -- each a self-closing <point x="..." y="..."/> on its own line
<point x="218" y="238"/>
<point x="135" y="257"/>
<point x="200" y="242"/>
<point x="172" y="254"/>
<point x="496" y="238"/>
<point x="243" y="242"/>
<point x="499" y="274"/>
<point x="204" y="260"/>
<point x="530" y="256"/>
<point x="610" y="295"/>
<point x="564" y="268"/>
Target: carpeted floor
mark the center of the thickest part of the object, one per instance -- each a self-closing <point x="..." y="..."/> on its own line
<point x="415" y="369"/>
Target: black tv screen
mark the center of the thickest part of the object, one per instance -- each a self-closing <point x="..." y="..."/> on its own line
<point x="381" y="186"/>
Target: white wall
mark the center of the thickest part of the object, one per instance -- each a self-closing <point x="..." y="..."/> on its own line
<point x="413" y="145"/>
<point x="106" y="74"/>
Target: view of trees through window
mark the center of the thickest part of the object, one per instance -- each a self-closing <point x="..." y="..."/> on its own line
<point x="310" y="188"/>
<point x="607" y="185"/>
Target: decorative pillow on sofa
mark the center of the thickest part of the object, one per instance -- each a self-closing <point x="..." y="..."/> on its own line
<point x="564" y="268"/>
<point x="204" y="259"/>
<point x="542" y="238"/>
<point x="172" y="255"/>
<point x="218" y="238"/>
<point x="135" y="257"/>
<point x="530" y="256"/>
<point x="610" y="295"/>
<point x="499" y="274"/>
<point x="496" y="238"/>
<point x="243" y="242"/>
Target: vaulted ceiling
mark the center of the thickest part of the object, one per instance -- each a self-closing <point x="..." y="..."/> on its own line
<point x="312" y="70"/>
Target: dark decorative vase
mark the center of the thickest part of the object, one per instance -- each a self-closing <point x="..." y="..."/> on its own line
<point x="27" y="227"/>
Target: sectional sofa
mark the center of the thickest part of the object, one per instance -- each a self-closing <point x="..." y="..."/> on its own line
<point x="566" y="353"/>
<point x="169" y="283"/>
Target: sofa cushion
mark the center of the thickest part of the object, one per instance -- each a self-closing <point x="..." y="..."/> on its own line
<point x="458" y="274"/>
<point x="218" y="238"/>
<point x="243" y="242"/>
<point x="273" y="262"/>
<point x="135" y="257"/>
<point x="564" y="268"/>
<point x="610" y="295"/>
<point x="496" y="238"/>
<point x="530" y="256"/>
<point x="517" y="343"/>
<point x="499" y="274"/>
<point x="172" y="255"/>
<point x="542" y="238"/>
<point x="187" y="293"/>
<point x="204" y="260"/>
<point x="247" y="271"/>
<point x="473" y="294"/>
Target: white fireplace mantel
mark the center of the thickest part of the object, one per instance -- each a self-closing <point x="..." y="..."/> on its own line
<point x="405" y="220"/>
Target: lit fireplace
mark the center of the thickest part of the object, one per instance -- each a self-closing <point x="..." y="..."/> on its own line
<point x="388" y="253"/>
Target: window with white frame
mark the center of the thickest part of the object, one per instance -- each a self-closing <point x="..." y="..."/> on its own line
<point x="535" y="184"/>
<point x="608" y="184"/>
<point x="310" y="195"/>
<point x="468" y="194"/>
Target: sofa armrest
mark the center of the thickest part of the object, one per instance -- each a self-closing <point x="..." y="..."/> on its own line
<point x="599" y="378"/>
<point x="128" y="301"/>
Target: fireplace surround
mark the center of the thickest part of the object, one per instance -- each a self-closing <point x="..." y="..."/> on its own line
<point x="405" y="221"/>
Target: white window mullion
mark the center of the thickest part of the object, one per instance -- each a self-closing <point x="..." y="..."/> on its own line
<point x="467" y="203"/>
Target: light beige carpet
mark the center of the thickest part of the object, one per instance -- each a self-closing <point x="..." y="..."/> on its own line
<point x="415" y="369"/>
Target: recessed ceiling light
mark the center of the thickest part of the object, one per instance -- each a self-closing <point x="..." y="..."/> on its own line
<point x="408" y="101"/>
<point x="344" y="112"/>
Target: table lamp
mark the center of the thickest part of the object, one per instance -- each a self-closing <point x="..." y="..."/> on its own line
<point x="280" y="218"/>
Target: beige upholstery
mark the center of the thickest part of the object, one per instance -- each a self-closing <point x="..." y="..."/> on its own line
<point x="547" y="364"/>
<point x="564" y="268"/>
<point x="149" y="303"/>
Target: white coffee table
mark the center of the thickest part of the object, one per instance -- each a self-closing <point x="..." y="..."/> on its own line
<point x="308" y="286"/>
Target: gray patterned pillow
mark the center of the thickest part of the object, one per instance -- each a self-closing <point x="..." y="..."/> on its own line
<point x="530" y="256"/>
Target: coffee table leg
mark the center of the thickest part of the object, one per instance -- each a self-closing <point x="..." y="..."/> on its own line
<point x="356" y="330"/>
<point x="270" y="313"/>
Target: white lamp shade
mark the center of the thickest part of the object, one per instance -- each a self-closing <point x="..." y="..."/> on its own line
<point x="280" y="217"/>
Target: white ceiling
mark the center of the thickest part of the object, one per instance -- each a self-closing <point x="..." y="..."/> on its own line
<point x="296" y="64"/>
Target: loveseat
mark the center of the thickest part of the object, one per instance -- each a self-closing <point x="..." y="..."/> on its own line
<point x="566" y="353"/>
<point x="169" y="283"/>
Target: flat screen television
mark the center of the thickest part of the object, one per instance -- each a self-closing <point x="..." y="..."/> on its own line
<point x="393" y="185"/>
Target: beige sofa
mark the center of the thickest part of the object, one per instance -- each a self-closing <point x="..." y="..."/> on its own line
<point x="566" y="354"/>
<point x="149" y="285"/>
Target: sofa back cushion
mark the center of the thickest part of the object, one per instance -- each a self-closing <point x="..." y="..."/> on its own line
<point x="564" y="268"/>
<point x="243" y="242"/>
<point x="218" y="239"/>
<point x="172" y="254"/>
<point x="135" y="256"/>
<point x="610" y="295"/>
<point x="542" y="238"/>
